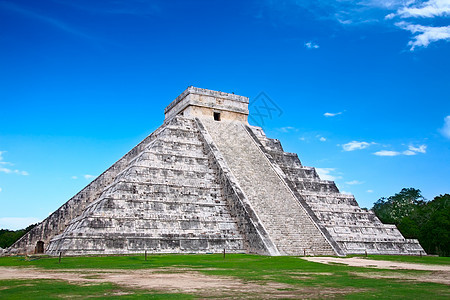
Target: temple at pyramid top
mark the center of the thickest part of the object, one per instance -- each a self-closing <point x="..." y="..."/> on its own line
<point x="203" y="103"/>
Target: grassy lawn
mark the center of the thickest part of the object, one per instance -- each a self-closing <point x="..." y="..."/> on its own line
<point x="295" y="272"/>
<point x="56" y="289"/>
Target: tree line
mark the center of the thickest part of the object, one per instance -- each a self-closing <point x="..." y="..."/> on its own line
<point x="417" y="218"/>
<point x="9" y="237"/>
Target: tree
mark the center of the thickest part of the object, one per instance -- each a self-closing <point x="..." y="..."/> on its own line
<point x="429" y="222"/>
<point x="435" y="232"/>
<point x="9" y="237"/>
<point x="394" y="208"/>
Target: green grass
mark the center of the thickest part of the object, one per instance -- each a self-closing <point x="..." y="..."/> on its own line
<point x="55" y="289"/>
<point x="298" y="273"/>
<point x="432" y="260"/>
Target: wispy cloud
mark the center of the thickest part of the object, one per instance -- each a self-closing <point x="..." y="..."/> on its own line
<point x="355" y="145"/>
<point x="412" y="150"/>
<point x="1" y="189"/>
<point x="445" y="130"/>
<point x="353" y="182"/>
<point x="327" y="114"/>
<point x="88" y="176"/>
<point x="9" y="170"/>
<point x="418" y="149"/>
<point x="322" y="139"/>
<point x="287" y="129"/>
<point x="387" y="153"/>
<point x="17" y="223"/>
<point x="58" y="24"/>
<point x="74" y="177"/>
<point x="424" y="35"/>
<point x="428" y="9"/>
<point x="311" y="45"/>
<point x="328" y="174"/>
<point x="370" y="191"/>
<point x="383" y="12"/>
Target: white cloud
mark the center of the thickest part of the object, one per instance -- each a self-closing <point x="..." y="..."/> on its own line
<point x="325" y="174"/>
<point x="355" y="145"/>
<point x="87" y="176"/>
<point x="321" y="138"/>
<point x="302" y="138"/>
<point x="311" y="45"/>
<point x="10" y="171"/>
<point x="0" y="189"/>
<point x="370" y="191"/>
<point x="327" y="114"/>
<point x="74" y="177"/>
<point x="429" y="9"/>
<point x="288" y="129"/>
<point x="353" y="182"/>
<point x="445" y="130"/>
<point x="17" y="223"/>
<point x="419" y="149"/>
<point x="346" y="193"/>
<point x="7" y="170"/>
<point x="425" y="34"/>
<point x="412" y="150"/>
<point x="390" y="16"/>
<point x="387" y="153"/>
<point x="356" y="13"/>
<point x="408" y="152"/>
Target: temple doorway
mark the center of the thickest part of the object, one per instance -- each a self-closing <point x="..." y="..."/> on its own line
<point x="39" y="247"/>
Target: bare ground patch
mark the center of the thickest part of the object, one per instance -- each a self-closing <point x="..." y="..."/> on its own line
<point x="436" y="276"/>
<point x="381" y="264"/>
<point x="188" y="281"/>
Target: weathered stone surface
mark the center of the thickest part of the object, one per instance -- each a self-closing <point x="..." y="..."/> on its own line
<point x="353" y="229"/>
<point x="168" y="200"/>
<point x="207" y="181"/>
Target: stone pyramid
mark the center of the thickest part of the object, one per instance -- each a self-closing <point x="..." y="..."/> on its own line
<point x="206" y="181"/>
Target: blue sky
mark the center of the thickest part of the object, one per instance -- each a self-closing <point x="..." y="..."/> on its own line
<point x="362" y="87"/>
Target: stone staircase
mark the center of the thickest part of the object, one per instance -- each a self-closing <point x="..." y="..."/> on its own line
<point x="167" y="200"/>
<point x="355" y="230"/>
<point x="287" y="223"/>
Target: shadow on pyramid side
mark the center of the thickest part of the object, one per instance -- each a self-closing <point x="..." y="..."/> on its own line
<point x="204" y="182"/>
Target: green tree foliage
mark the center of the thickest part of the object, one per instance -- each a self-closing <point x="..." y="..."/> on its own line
<point x="435" y="231"/>
<point x="404" y="204"/>
<point x="8" y="237"/>
<point x="429" y="222"/>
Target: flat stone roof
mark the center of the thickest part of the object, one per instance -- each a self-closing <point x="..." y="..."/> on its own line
<point x="205" y="92"/>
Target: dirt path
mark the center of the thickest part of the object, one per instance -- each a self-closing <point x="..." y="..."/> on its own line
<point x="172" y="280"/>
<point x="381" y="264"/>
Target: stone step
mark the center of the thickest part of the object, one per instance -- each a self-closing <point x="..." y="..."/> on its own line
<point x="279" y="211"/>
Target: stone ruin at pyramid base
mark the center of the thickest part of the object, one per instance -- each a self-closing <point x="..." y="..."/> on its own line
<point x="204" y="182"/>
